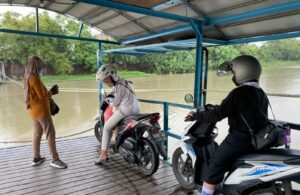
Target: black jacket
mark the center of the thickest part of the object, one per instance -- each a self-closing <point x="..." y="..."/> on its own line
<point x="238" y="101"/>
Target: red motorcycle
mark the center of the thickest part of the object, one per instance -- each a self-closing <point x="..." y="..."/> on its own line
<point x="139" y="138"/>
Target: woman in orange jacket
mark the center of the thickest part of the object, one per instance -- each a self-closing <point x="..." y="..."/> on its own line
<point x="37" y="99"/>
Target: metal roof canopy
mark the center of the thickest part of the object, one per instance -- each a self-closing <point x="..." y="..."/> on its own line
<point x="168" y="20"/>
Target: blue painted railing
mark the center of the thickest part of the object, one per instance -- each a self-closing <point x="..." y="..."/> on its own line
<point x="168" y="132"/>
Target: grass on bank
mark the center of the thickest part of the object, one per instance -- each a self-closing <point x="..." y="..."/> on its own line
<point x="86" y="77"/>
<point x="279" y="63"/>
<point x="132" y="74"/>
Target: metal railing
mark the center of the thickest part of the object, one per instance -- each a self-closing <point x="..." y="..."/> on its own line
<point x="168" y="132"/>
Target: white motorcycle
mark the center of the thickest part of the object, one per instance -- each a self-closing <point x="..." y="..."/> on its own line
<point x="268" y="172"/>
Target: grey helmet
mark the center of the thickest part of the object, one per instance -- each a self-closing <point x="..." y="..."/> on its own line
<point x="245" y="68"/>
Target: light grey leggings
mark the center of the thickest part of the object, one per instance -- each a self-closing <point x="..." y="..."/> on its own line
<point x="108" y="127"/>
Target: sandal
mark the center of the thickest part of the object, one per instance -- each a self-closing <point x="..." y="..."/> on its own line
<point x="101" y="161"/>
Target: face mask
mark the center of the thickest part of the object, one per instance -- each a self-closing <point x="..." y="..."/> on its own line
<point x="234" y="81"/>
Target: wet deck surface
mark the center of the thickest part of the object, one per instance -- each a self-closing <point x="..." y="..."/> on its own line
<point x="82" y="177"/>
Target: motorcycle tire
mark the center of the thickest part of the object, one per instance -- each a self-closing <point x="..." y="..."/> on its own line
<point x="154" y="159"/>
<point x="188" y="184"/>
<point x="98" y="130"/>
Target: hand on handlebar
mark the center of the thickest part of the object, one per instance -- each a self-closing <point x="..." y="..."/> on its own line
<point x="190" y="116"/>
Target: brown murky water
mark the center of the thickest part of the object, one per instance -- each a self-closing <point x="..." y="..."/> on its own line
<point x="79" y="108"/>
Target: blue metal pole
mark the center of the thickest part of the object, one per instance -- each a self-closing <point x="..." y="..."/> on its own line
<point x="166" y="124"/>
<point x="265" y="38"/>
<point x="99" y="64"/>
<point x="56" y="36"/>
<point x="199" y="65"/>
<point x="37" y="20"/>
<point x="80" y="29"/>
<point x="254" y="13"/>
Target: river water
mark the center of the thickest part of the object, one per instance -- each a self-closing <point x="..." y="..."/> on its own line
<point x="78" y="102"/>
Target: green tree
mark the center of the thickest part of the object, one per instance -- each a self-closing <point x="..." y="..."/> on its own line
<point x="59" y="54"/>
<point x="218" y="55"/>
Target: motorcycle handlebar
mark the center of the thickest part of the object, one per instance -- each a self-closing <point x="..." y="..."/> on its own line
<point x="188" y="118"/>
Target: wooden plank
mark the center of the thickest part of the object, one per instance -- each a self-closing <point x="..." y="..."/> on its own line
<point x="61" y="149"/>
<point x="25" y="164"/>
<point x="143" y="185"/>
<point x="61" y="144"/>
<point x="123" y="172"/>
<point x="88" y="161"/>
<point x="82" y="177"/>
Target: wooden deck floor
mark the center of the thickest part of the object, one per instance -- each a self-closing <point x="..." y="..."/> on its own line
<point x="82" y="177"/>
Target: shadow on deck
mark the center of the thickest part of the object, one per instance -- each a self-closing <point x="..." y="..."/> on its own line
<point x="82" y="177"/>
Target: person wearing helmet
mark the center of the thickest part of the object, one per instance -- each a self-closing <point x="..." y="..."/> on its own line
<point x="125" y="104"/>
<point x="246" y="72"/>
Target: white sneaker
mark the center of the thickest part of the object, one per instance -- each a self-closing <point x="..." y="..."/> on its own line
<point x="58" y="164"/>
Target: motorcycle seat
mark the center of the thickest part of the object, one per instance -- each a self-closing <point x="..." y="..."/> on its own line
<point x="288" y="156"/>
<point x="140" y="116"/>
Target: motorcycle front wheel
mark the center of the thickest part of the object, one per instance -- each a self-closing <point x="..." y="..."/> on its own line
<point x="183" y="169"/>
<point x="148" y="157"/>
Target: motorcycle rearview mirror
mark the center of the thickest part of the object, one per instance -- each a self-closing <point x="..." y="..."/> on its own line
<point x="189" y="98"/>
<point x="102" y="91"/>
<point x="224" y="69"/>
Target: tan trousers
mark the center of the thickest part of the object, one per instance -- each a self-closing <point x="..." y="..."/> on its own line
<point x="44" y="126"/>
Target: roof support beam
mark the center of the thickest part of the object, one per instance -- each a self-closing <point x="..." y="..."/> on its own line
<point x="254" y="13"/>
<point x="37" y="25"/>
<point x="89" y="13"/>
<point x="151" y="51"/>
<point x="194" y="9"/>
<point x="106" y="18"/>
<point x="177" y="29"/>
<point x="56" y="36"/>
<point x="128" y="53"/>
<point x="69" y="8"/>
<point x="265" y="38"/>
<point x="165" y="4"/>
<point x="178" y="48"/>
<point x="80" y="29"/>
<point x="164" y="47"/>
<point x="48" y="5"/>
<point x="135" y="9"/>
<point x="28" y="2"/>
<point x="134" y="21"/>
<point x="201" y="15"/>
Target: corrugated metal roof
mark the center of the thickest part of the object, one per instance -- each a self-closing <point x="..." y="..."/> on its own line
<point x="223" y="19"/>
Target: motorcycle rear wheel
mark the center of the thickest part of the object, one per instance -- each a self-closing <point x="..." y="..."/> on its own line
<point x="98" y="130"/>
<point x="147" y="156"/>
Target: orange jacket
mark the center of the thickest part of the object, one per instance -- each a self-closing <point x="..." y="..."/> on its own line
<point x="38" y="98"/>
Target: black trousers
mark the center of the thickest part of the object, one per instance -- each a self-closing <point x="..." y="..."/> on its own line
<point x="235" y="145"/>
